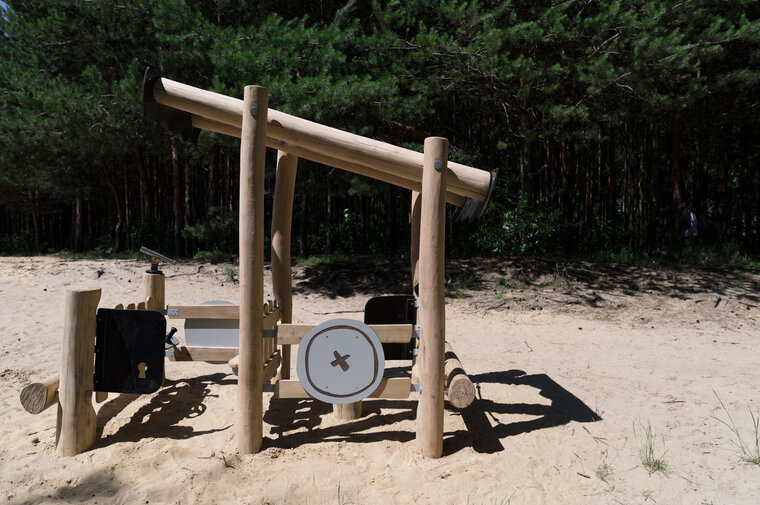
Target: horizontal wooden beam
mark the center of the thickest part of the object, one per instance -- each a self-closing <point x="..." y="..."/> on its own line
<point x="401" y="179"/>
<point x="270" y="367"/>
<point x="342" y="146"/>
<point x="216" y="312"/>
<point x="387" y="333"/>
<point x="393" y="388"/>
<point x="210" y="354"/>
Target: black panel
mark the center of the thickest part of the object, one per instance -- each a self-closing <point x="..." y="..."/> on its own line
<point x="395" y="309"/>
<point x="125" y="339"/>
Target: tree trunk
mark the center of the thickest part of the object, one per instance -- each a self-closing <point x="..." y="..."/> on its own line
<point x="179" y="221"/>
<point x="675" y="181"/>
<point x="142" y="174"/>
<point x="78" y="203"/>
<point x="328" y="221"/>
<point x="119" y="208"/>
<point x="654" y="168"/>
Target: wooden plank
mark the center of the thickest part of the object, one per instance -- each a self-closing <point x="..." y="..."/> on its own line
<point x="217" y="312"/>
<point x="76" y="425"/>
<point x="210" y="354"/>
<point x="203" y="312"/>
<point x="392" y="388"/>
<point x="432" y="284"/>
<point x="343" y="146"/>
<point x="387" y="333"/>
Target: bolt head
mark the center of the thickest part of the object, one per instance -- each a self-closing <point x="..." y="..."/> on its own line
<point x="438" y="164"/>
<point x="254" y="111"/>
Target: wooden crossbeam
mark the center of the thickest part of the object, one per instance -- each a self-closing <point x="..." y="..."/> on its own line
<point x="391" y="388"/>
<point x="387" y="333"/>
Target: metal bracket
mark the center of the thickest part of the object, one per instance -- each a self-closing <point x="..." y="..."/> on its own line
<point x="270" y="333"/>
<point x="172" y="312"/>
<point x="417" y="331"/>
<point x="415" y="351"/>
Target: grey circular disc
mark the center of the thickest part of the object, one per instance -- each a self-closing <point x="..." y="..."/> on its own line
<point x="340" y="361"/>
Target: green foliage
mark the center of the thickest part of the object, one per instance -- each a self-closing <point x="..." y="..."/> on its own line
<point x="525" y="229"/>
<point x="219" y="228"/>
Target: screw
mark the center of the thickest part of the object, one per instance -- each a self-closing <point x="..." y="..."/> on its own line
<point x="281" y="142"/>
<point x="437" y="164"/>
<point x="254" y="111"/>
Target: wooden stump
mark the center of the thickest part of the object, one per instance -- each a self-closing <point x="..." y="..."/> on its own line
<point x="75" y="430"/>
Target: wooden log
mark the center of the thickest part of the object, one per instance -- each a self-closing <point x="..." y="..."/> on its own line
<point x="282" y="216"/>
<point x="154" y="291"/>
<point x="387" y="333"/>
<point x="414" y="256"/>
<point x="140" y="305"/>
<point x="464" y="181"/>
<point x="250" y="373"/>
<point x="75" y="430"/>
<point x="39" y="396"/>
<point x="101" y="396"/>
<point x="119" y="307"/>
<point x="396" y="388"/>
<point x="432" y="279"/>
<point x="131" y="306"/>
<point x="461" y="392"/>
<point x="401" y="179"/>
<point x="347" y="411"/>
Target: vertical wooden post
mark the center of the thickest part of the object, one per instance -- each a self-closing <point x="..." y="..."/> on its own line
<point x="414" y="255"/>
<point x="154" y="289"/>
<point x="282" y="217"/>
<point x="433" y="320"/>
<point x="348" y="411"/>
<point x="75" y="430"/>
<point x="415" y="249"/>
<point x="250" y="370"/>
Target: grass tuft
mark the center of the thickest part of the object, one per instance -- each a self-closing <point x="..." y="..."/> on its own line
<point x="649" y="459"/>
<point x="748" y="452"/>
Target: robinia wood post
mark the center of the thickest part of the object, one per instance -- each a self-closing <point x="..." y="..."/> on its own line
<point x="250" y="370"/>
<point x="282" y="216"/>
<point x="414" y="255"/>
<point x="154" y="289"/>
<point x="433" y="320"/>
<point x="75" y="427"/>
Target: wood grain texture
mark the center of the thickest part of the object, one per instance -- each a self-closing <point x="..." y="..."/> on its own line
<point x="432" y="284"/>
<point x="347" y="411"/>
<point x="75" y="430"/>
<point x="39" y="396"/>
<point x="250" y="372"/>
<point x="461" y="392"/>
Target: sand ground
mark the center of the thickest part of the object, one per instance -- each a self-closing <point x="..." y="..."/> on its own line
<point x="572" y="363"/>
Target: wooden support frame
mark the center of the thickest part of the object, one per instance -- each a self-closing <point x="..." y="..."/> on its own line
<point x="282" y="216"/>
<point x="392" y="388"/>
<point x="250" y="373"/>
<point x="432" y="301"/>
<point x="347" y="149"/>
<point x="387" y="333"/>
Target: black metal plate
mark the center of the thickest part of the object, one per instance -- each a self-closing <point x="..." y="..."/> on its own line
<point x="394" y="309"/>
<point x="126" y="342"/>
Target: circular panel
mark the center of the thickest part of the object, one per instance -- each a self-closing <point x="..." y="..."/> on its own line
<point x="340" y="361"/>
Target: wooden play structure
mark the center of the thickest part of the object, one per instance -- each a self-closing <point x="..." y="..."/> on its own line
<point x="129" y="344"/>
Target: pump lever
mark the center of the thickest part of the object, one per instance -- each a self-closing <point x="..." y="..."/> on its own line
<point x="155" y="259"/>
